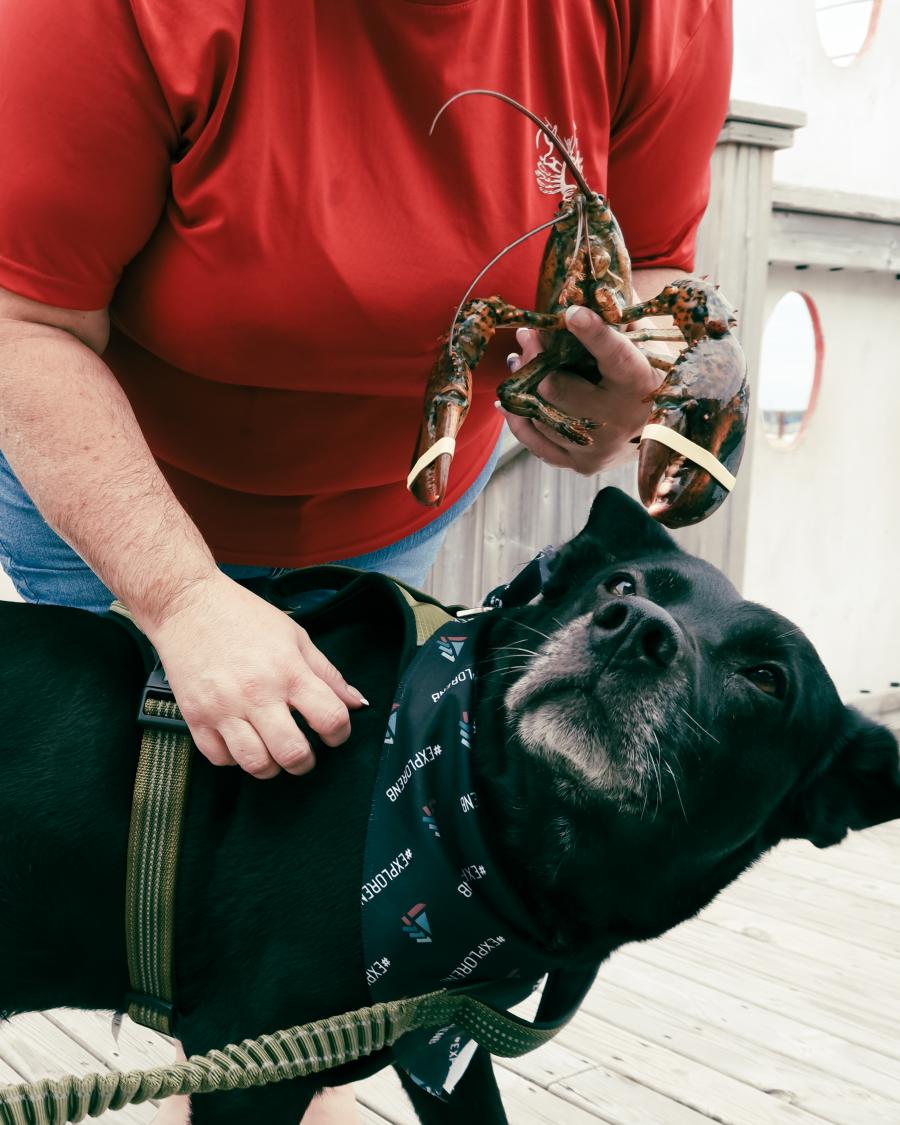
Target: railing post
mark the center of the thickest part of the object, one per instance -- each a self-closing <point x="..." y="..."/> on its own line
<point x="732" y="249"/>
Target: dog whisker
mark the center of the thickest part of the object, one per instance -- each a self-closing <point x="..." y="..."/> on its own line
<point x="517" y="649"/>
<point x="540" y="633"/>
<point x="656" y="769"/>
<point x="699" y="726"/>
<point x="677" y="790"/>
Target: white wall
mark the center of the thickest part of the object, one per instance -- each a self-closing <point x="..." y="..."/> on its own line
<point x="824" y="534"/>
<point x="824" y="530"/>
<point x="851" y="140"/>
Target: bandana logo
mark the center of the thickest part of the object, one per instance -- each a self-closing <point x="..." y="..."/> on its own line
<point x="391" y="732"/>
<point x="450" y="647"/>
<point x="550" y="172"/>
<point x="428" y="812"/>
<point x="465" y="730"/>
<point x="416" y="924"/>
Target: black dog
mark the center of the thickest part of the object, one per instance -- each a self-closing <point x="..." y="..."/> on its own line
<point x="661" y="735"/>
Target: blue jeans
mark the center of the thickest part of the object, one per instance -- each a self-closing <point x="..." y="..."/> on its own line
<point x="44" y="568"/>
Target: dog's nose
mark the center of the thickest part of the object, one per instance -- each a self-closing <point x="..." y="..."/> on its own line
<point x="635" y="629"/>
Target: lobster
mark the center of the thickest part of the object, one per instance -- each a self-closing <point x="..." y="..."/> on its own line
<point x="693" y="441"/>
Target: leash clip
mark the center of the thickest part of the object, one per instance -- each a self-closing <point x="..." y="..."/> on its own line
<point x="157" y="690"/>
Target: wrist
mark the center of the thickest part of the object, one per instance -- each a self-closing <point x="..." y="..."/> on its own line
<point x="155" y="604"/>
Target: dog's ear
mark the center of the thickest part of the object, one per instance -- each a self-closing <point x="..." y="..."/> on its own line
<point x="860" y="787"/>
<point x="618" y="529"/>
<point x="623" y="527"/>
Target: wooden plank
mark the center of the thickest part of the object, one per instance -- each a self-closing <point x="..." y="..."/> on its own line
<point x="37" y="1048"/>
<point x="862" y="881"/>
<point x="369" y="1116"/>
<point x="866" y="853"/>
<point x="548" y="1064"/>
<point x="137" y="1048"/>
<point x="865" y="912"/>
<point x="689" y="1082"/>
<point x="799" y="238"/>
<point x="866" y="1019"/>
<point x="8" y="1072"/>
<point x="789" y="934"/>
<point x="780" y="115"/>
<point x="841" y="204"/>
<point x="748" y="1007"/>
<point x="838" y="980"/>
<point x="757" y="136"/>
<point x="383" y="1094"/>
<point x="882" y="841"/>
<point x="800" y="1082"/>
<point x="526" y="1102"/>
<point x="833" y="987"/>
<point x="620" y="1100"/>
<point x="819" y="909"/>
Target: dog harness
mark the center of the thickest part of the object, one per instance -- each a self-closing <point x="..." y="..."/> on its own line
<point x="436" y="909"/>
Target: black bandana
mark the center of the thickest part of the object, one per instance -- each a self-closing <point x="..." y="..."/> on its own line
<point x="435" y="908"/>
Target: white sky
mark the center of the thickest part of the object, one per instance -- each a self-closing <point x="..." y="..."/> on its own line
<point x="788" y="359"/>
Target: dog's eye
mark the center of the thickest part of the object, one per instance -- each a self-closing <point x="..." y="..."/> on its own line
<point x="621" y="585"/>
<point x="767" y="678"/>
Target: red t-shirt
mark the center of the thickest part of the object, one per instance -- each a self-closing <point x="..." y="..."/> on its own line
<point x="250" y="186"/>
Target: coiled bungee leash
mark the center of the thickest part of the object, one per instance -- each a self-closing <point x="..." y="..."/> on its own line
<point x="157" y="812"/>
<point x="294" y="1053"/>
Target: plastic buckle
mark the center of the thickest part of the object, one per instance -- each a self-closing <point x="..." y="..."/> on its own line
<point x="157" y="687"/>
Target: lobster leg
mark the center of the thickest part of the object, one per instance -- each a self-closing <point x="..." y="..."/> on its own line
<point x="669" y="335"/>
<point x="449" y="389"/>
<point x="659" y="362"/>
<point x="519" y="395"/>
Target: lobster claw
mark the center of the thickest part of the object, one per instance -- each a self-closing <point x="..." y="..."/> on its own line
<point x="688" y="459"/>
<point x="694" y="439"/>
<point x="447" y="398"/>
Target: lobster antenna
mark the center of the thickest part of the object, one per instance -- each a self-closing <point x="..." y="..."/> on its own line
<point x="565" y="156"/>
<point x="496" y="258"/>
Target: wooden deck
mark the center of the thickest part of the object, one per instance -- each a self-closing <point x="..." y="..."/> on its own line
<point x="779" y="1004"/>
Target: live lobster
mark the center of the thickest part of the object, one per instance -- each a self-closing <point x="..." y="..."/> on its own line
<point x="692" y="444"/>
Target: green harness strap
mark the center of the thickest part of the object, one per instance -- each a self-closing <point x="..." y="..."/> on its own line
<point x="154" y="841"/>
<point x="154" y="846"/>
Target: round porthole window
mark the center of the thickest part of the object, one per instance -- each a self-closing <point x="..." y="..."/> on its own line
<point x="846" y="27"/>
<point x="790" y="368"/>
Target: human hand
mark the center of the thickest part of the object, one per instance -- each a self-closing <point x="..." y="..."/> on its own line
<point x="616" y="403"/>
<point x="238" y="667"/>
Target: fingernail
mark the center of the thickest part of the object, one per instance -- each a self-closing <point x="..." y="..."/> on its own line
<point x="512" y="361"/>
<point x="359" y="695"/>
<point x="578" y="316"/>
<point x="498" y="405"/>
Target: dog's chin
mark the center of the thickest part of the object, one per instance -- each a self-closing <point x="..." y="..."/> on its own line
<point x="599" y="725"/>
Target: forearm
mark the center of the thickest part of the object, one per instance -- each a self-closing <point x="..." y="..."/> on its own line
<point x="648" y="282"/>
<point x="71" y="437"/>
